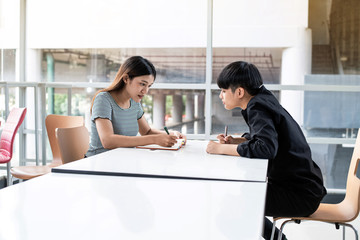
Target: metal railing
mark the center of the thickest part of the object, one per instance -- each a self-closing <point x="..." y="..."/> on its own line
<point x="39" y="105"/>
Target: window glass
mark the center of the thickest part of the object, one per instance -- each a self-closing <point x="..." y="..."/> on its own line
<point x="173" y="65"/>
<point x="333" y="160"/>
<point x="267" y="60"/>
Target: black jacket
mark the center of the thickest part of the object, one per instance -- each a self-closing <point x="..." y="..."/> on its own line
<point x="276" y="136"/>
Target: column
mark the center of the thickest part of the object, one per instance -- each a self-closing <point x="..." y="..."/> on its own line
<point x="189" y="107"/>
<point x="177" y="108"/>
<point x="200" y="113"/>
<point x="33" y="116"/>
<point x="201" y="106"/>
<point x="296" y="63"/>
<point x="159" y="100"/>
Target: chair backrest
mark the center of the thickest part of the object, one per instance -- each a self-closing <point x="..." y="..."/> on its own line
<point x="11" y="126"/>
<point x="73" y="143"/>
<point x="54" y="121"/>
<point x="352" y="197"/>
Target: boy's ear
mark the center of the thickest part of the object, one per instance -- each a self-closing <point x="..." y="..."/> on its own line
<point x="240" y="92"/>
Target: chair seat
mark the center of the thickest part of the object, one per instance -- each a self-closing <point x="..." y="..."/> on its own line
<point x="28" y="172"/>
<point x="332" y="213"/>
<point x="341" y="212"/>
<point x="5" y="157"/>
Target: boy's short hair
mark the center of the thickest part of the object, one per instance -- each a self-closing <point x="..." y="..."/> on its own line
<point x="240" y="74"/>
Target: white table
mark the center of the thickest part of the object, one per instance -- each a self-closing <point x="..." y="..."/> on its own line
<point x="191" y="161"/>
<point x="74" y="206"/>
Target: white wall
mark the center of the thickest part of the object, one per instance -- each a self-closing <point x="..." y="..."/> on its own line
<point x="258" y="23"/>
<point x="163" y="23"/>
<point x="9" y="24"/>
<point x="116" y="23"/>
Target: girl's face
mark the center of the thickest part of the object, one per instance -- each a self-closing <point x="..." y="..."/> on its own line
<point x="139" y="86"/>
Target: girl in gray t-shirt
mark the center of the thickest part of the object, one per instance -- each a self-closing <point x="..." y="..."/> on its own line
<point x="117" y="115"/>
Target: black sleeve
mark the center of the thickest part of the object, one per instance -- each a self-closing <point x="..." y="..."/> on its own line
<point x="263" y="138"/>
<point x="246" y="135"/>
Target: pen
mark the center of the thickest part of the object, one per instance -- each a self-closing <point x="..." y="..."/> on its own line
<point x="166" y="130"/>
<point x="226" y="128"/>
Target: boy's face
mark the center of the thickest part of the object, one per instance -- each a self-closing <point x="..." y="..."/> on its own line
<point x="229" y="98"/>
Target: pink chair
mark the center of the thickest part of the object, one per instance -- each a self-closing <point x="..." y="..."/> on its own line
<point x="10" y="129"/>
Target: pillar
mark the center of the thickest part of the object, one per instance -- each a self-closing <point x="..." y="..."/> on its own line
<point x="200" y="113"/>
<point x="159" y="100"/>
<point x="177" y="108"/>
<point x="296" y="63"/>
<point x="189" y="107"/>
<point x="200" y="106"/>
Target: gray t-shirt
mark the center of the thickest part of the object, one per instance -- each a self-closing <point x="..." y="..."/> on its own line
<point x="124" y="121"/>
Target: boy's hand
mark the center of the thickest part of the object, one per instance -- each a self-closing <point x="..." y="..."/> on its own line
<point x="218" y="148"/>
<point x="213" y="147"/>
<point x="225" y="140"/>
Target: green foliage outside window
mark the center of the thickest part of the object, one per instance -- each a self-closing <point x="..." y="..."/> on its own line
<point x="60" y="104"/>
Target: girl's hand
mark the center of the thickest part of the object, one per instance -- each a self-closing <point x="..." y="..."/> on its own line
<point x="165" y="140"/>
<point x="178" y="135"/>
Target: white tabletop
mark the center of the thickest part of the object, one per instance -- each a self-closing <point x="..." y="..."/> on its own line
<point x="190" y="161"/>
<point x="72" y="206"/>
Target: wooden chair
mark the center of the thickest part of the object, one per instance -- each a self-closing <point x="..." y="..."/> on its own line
<point x="73" y="143"/>
<point x="11" y="126"/>
<point x="341" y="213"/>
<point x="52" y="122"/>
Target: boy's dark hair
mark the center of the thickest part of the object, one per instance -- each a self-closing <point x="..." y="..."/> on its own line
<point x="240" y="74"/>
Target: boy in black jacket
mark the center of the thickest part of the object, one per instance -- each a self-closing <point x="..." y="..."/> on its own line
<point x="295" y="184"/>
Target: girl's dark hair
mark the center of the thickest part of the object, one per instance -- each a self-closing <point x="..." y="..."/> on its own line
<point x="240" y="74"/>
<point x="133" y="67"/>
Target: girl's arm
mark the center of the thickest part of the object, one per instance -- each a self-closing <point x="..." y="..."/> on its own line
<point x="109" y="140"/>
<point x="145" y="129"/>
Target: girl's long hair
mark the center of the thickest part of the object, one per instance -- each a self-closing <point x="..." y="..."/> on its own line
<point x="133" y="67"/>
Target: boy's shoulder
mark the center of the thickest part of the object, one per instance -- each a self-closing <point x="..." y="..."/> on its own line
<point x="264" y="100"/>
<point x="265" y="96"/>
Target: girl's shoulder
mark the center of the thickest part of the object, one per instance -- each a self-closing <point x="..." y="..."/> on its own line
<point x="103" y="95"/>
<point x="104" y="98"/>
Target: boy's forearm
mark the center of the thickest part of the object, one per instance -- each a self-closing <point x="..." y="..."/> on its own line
<point x="239" y="140"/>
<point x="229" y="149"/>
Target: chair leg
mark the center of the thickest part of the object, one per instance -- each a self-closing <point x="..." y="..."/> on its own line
<point x="8" y="166"/>
<point x="282" y="228"/>
<point x="273" y="230"/>
<point x="350" y="226"/>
